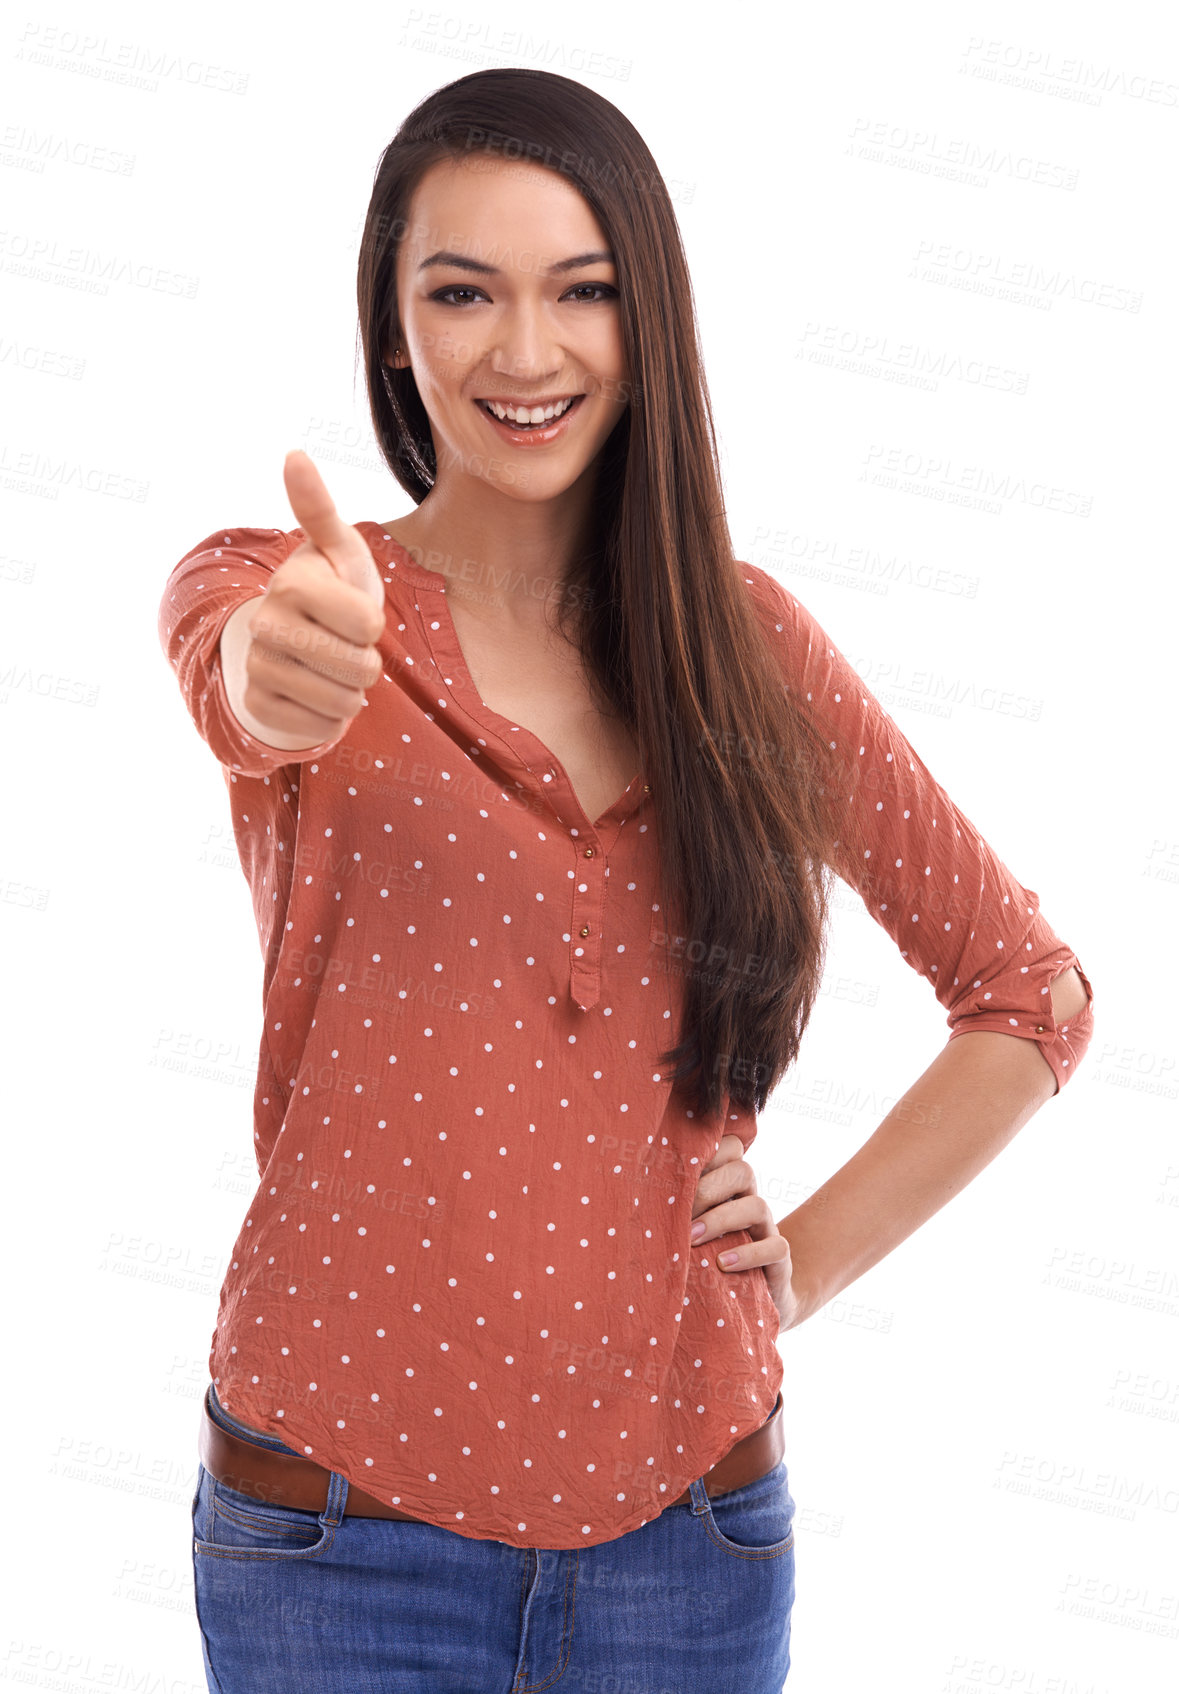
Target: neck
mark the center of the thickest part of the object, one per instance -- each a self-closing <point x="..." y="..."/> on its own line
<point x="510" y="556"/>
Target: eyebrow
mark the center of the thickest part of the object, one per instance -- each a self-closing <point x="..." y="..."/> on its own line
<point x="462" y="263"/>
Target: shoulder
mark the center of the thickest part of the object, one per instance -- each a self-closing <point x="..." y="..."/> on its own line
<point x="783" y="615"/>
<point x="245" y="544"/>
<point x="760" y="583"/>
<point x="241" y="547"/>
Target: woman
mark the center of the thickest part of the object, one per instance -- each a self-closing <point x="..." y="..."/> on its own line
<point x="538" y="792"/>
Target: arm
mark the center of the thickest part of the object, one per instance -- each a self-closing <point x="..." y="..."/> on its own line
<point x="978" y="1092"/>
<point x="1019" y="1004"/>
<point x="926" y="875"/>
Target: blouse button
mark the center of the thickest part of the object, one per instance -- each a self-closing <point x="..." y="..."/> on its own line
<point x="589" y="852"/>
<point x="583" y="931"/>
<point x="646" y="788"/>
<point x="1039" y="1029"/>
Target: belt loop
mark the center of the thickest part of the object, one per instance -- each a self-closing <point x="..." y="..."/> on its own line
<point x="337" y="1499"/>
<point x="699" y="1497"/>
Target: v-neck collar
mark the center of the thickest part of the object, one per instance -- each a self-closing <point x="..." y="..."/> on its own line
<point x="527" y="748"/>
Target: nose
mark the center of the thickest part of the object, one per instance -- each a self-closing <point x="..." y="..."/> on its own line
<point x="525" y="347"/>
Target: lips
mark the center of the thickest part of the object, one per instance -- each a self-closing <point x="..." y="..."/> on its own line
<point x="566" y="402"/>
<point x="522" y="434"/>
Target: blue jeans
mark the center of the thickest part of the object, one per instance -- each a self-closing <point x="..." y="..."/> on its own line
<point x="697" y="1601"/>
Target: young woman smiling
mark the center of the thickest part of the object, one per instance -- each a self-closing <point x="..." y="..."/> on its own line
<point x="539" y="792"/>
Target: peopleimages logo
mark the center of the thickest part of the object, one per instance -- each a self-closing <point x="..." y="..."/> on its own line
<point x="892" y="358"/>
<point x="1046" y="71"/>
<point x="956" y="157"/>
<point x="939" y="472"/>
<point x="129" y="63"/>
<point x="798" y="553"/>
<point x="993" y="273"/>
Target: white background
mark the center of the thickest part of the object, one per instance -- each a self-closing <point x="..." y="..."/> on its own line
<point x="980" y="1433"/>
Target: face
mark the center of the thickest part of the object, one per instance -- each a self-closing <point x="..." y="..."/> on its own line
<point x="507" y="293"/>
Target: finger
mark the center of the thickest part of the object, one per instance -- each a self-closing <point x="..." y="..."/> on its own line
<point x="315" y="512"/>
<point x="731" y="1147"/>
<point x="734" y="1177"/>
<point x="749" y="1211"/>
<point x="751" y="1215"/>
<point x="770" y="1250"/>
<point x="302" y="619"/>
<point x="320" y="692"/>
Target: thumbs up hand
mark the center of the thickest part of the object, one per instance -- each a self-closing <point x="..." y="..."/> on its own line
<point x="304" y="652"/>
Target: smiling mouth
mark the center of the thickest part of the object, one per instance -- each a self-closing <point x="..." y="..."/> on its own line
<point x="525" y="417"/>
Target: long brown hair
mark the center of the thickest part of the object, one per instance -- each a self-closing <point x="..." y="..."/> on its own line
<point x="668" y="631"/>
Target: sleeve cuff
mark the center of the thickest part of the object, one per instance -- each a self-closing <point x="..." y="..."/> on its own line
<point x="1063" y="1045"/>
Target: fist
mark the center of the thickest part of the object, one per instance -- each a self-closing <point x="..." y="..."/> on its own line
<point x="311" y="650"/>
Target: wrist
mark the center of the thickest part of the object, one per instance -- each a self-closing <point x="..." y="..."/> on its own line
<point x="806" y="1295"/>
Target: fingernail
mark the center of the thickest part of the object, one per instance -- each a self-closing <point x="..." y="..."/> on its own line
<point x="698" y="1229"/>
<point x="727" y="1259"/>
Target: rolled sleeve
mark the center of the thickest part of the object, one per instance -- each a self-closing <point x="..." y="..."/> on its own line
<point x="926" y="875"/>
<point x="1013" y="996"/>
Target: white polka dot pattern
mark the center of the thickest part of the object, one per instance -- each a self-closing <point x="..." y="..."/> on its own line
<point x="465" y="1278"/>
<point x="926" y="874"/>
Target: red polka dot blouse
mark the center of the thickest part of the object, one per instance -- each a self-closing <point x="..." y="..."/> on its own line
<point x="465" y="1278"/>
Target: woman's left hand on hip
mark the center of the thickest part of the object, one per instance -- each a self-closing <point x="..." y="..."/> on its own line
<point x="727" y="1199"/>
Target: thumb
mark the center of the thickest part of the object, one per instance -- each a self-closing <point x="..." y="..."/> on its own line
<point x="315" y="512"/>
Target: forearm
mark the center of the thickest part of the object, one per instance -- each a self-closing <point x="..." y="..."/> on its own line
<point x="978" y="1092"/>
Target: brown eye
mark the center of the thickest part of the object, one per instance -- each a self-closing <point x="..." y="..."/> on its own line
<point x="455" y="288"/>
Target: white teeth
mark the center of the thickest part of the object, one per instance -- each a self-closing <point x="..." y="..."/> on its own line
<point x="528" y="414"/>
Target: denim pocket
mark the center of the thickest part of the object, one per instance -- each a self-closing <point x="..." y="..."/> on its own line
<point x="231" y="1525"/>
<point x="755" y="1521"/>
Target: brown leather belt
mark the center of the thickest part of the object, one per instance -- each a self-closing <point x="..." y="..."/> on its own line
<point x="287" y="1479"/>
